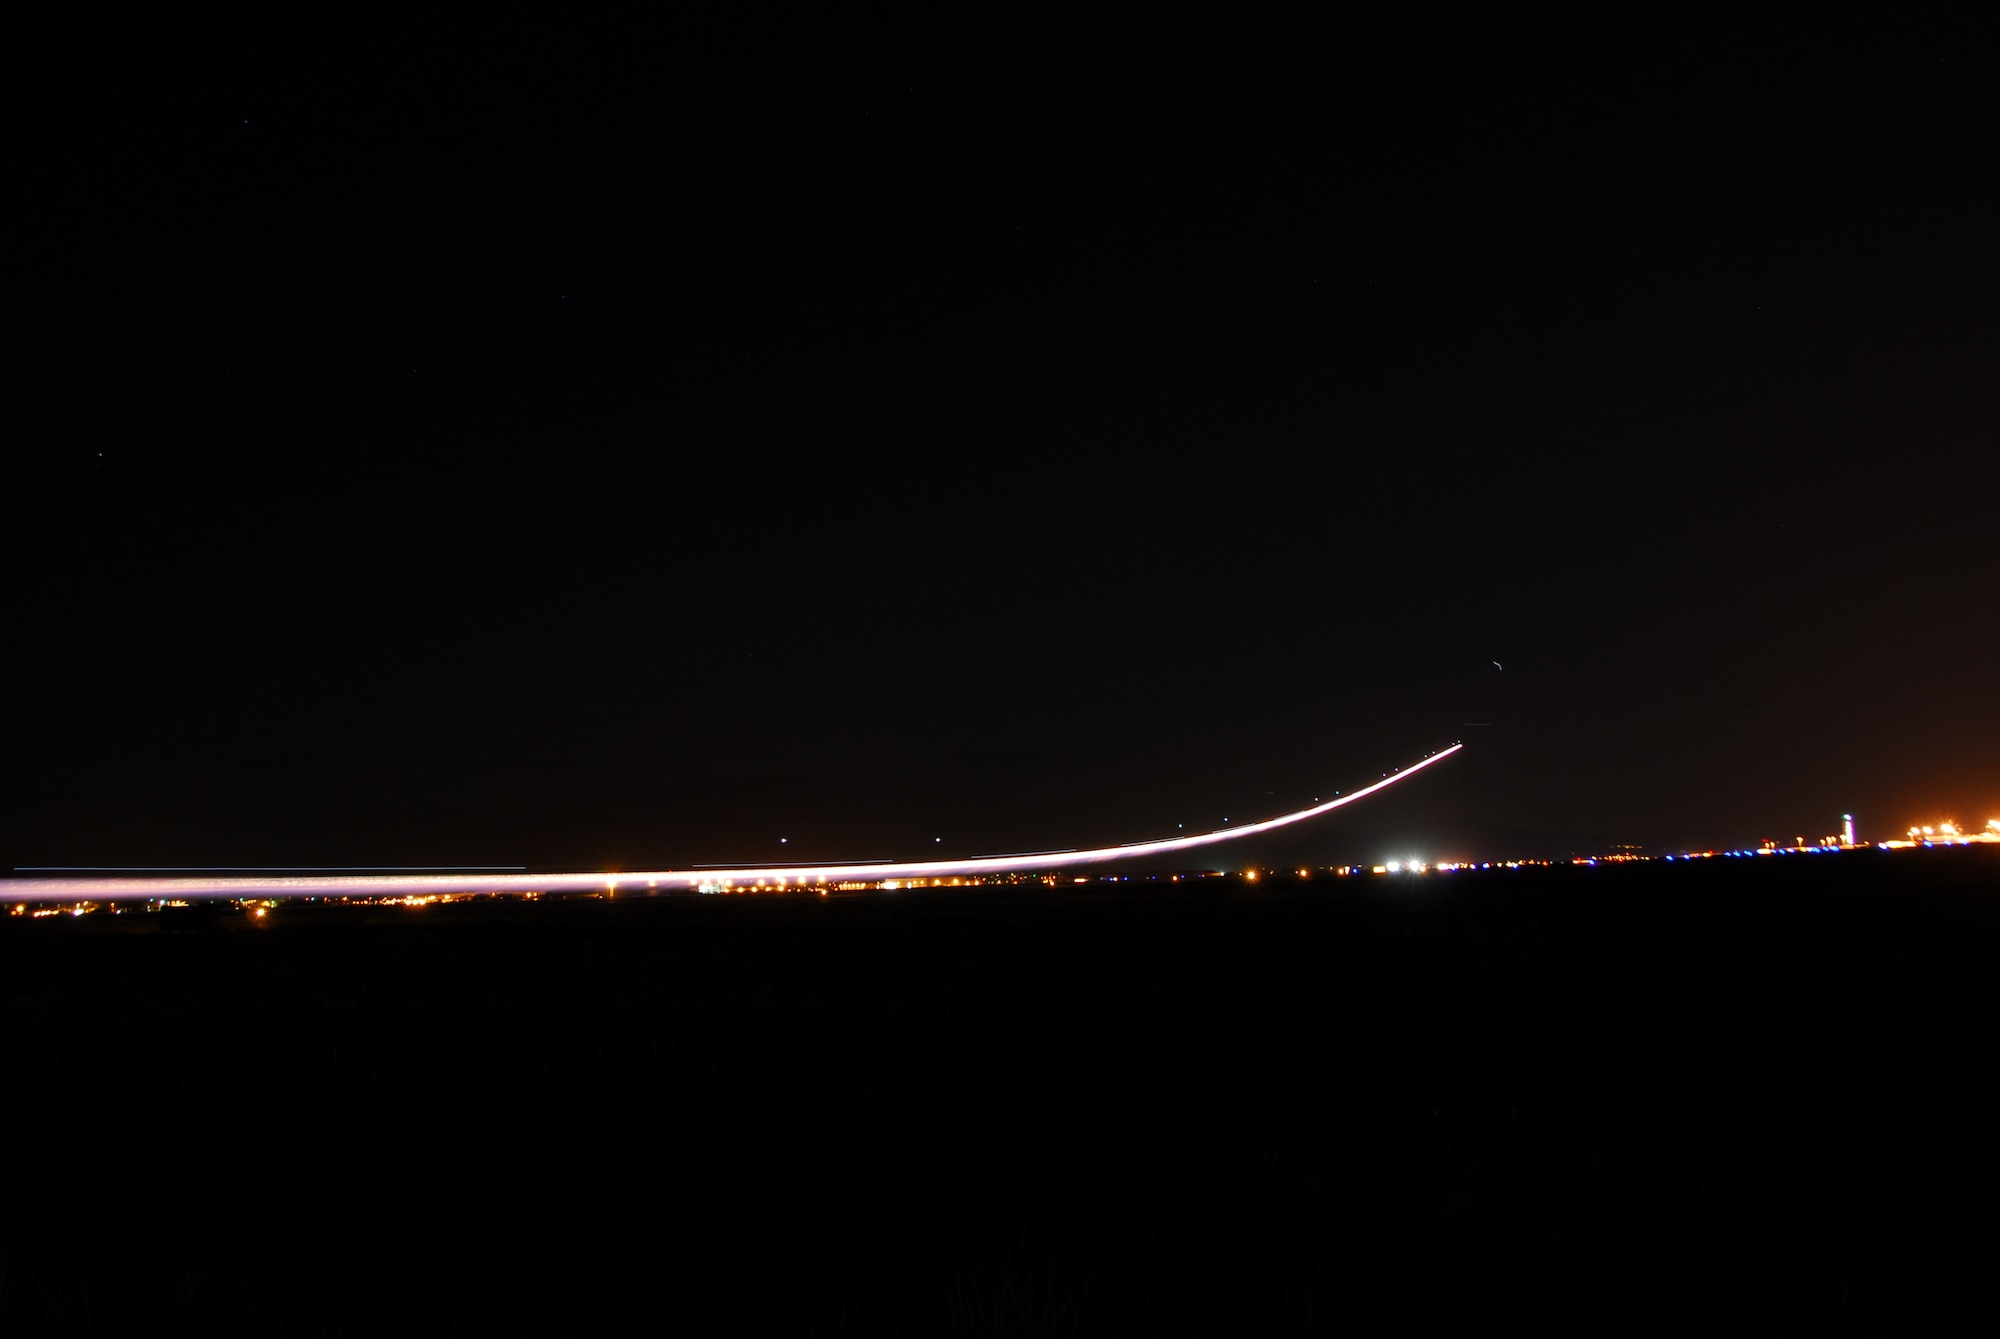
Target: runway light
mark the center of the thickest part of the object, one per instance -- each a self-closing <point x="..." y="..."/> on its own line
<point x="1395" y="867"/>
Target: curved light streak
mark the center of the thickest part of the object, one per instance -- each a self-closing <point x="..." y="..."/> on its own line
<point x="419" y="885"/>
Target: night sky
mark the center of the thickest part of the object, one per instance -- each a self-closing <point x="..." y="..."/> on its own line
<point x="511" y="445"/>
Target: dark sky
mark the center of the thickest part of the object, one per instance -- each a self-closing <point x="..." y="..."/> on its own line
<point x="516" y="444"/>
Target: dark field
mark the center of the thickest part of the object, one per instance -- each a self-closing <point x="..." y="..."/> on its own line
<point x="1748" y="1095"/>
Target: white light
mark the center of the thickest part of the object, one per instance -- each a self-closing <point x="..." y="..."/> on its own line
<point x="1395" y="867"/>
<point x="412" y="884"/>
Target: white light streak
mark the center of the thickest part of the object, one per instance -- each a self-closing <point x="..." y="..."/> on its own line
<point x="416" y="885"/>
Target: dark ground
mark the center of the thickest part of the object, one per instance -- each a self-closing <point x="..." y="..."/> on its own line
<point x="1744" y="1096"/>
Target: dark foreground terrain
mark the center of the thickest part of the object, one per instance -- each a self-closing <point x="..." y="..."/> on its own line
<point x="1747" y="1096"/>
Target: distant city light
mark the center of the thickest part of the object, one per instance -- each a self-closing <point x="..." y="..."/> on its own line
<point x="114" y="896"/>
<point x="1946" y="832"/>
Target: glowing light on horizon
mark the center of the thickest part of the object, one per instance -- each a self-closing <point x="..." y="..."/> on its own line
<point x="711" y="878"/>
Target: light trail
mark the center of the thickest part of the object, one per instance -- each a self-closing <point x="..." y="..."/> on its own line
<point x="789" y="875"/>
<point x="261" y="868"/>
<point x="808" y="864"/>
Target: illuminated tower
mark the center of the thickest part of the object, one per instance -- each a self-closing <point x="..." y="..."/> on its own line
<point x="1847" y="829"/>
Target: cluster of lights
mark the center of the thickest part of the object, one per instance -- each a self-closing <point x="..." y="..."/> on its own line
<point x="57" y="909"/>
<point x="1945" y="832"/>
<point x="1437" y="867"/>
<point x="36" y="911"/>
<point x="406" y="900"/>
<point x="779" y="884"/>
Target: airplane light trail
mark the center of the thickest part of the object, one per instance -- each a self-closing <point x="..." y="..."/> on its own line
<point x="797" y="873"/>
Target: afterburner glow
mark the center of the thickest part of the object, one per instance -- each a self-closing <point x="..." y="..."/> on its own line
<point x="417" y="885"/>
